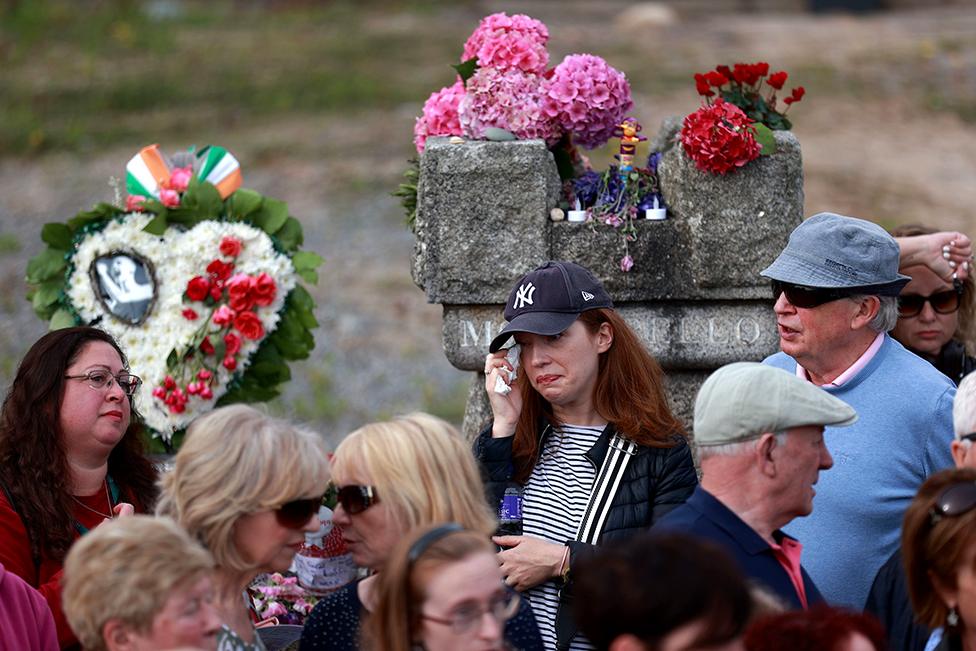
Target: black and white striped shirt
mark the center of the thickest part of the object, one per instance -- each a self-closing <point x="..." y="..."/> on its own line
<point x="552" y="506"/>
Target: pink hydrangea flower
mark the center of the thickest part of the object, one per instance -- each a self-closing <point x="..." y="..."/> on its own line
<point x="509" y="43"/>
<point x="511" y="100"/>
<point x="440" y="117"/>
<point x="587" y="97"/>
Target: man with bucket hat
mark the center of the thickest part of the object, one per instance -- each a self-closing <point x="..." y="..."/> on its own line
<point x="836" y="285"/>
<point x="759" y="433"/>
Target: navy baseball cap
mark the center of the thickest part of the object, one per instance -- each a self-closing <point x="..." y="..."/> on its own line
<point x="547" y="300"/>
<point x="836" y="252"/>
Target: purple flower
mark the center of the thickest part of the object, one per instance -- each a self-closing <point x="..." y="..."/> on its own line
<point x="626" y="263"/>
<point x="587" y="187"/>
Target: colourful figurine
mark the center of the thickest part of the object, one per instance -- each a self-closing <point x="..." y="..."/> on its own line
<point x="627" y="132"/>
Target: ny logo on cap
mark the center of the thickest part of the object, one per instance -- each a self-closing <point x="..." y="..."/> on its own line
<point x="523" y="296"/>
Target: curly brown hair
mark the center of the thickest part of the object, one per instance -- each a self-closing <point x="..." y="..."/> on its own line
<point x="32" y="453"/>
<point x="629" y="393"/>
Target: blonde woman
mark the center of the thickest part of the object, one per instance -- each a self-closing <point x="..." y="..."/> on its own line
<point x="393" y="477"/>
<point x="247" y="486"/>
<point x="140" y="583"/>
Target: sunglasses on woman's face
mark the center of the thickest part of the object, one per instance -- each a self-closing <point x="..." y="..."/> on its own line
<point x="296" y="513"/>
<point x="944" y="302"/>
<point x="807" y="297"/>
<point x="954" y="501"/>
<point x="356" y="499"/>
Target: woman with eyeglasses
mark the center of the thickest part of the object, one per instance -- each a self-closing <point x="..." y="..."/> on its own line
<point x="393" y="477"/>
<point x="70" y="456"/>
<point x="939" y="546"/>
<point x="935" y="315"/>
<point x="441" y="590"/>
<point x="248" y="487"/>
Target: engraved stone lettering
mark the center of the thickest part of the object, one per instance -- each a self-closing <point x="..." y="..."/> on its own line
<point x="747" y="330"/>
<point x="475" y="336"/>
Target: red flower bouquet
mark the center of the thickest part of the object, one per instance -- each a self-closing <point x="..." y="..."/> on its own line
<point x="719" y="138"/>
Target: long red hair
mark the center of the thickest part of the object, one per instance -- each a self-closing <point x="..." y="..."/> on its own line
<point x="629" y="394"/>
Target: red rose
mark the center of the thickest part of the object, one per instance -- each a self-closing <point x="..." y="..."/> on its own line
<point x="239" y="289"/>
<point x="230" y="363"/>
<point x="204" y="374"/>
<point x="206" y="347"/>
<point x="701" y="85"/>
<point x="217" y="290"/>
<point x="232" y="342"/>
<point x="777" y="79"/>
<point x="190" y="315"/>
<point x="716" y="79"/>
<point x="197" y="288"/>
<point x="230" y="246"/>
<point x="223" y="315"/>
<point x="248" y="324"/>
<point x="220" y="270"/>
<point x="264" y="289"/>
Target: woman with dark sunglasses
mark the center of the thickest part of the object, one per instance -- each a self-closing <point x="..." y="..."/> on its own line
<point x="939" y="545"/>
<point x="441" y="590"/>
<point x="248" y="487"/>
<point x="70" y="456"/>
<point x="935" y="315"/>
<point x="393" y="477"/>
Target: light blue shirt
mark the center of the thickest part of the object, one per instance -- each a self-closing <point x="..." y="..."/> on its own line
<point x="901" y="437"/>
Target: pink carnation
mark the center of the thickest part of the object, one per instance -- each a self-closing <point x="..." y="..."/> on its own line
<point x="587" y="97"/>
<point x="509" y="43"/>
<point x="440" y="116"/>
<point x="719" y="138"/>
<point x="511" y="100"/>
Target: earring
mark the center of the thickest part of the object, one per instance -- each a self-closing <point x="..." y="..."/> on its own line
<point x="952" y="619"/>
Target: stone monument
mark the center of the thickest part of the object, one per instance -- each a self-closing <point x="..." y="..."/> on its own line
<point x="694" y="296"/>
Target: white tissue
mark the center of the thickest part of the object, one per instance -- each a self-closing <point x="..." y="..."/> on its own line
<point x="512" y="357"/>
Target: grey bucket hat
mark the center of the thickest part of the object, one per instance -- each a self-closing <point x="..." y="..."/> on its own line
<point x="744" y="400"/>
<point x="837" y="252"/>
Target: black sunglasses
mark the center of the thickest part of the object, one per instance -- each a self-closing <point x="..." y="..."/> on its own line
<point x="356" y="499"/>
<point x="296" y="513"/>
<point x="807" y="297"/>
<point x="954" y="501"/>
<point x="944" y="302"/>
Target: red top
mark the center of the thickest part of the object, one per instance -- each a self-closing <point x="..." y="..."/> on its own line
<point x="788" y="554"/>
<point x="15" y="556"/>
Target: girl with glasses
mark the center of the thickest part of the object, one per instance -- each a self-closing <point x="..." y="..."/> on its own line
<point x="441" y="590"/>
<point x="939" y="550"/>
<point x="392" y="477"/>
<point x="70" y="456"/>
<point x="248" y="487"/>
<point x="935" y="315"/>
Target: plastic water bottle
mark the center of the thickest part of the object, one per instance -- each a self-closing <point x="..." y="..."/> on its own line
<point x="510" y="512"/>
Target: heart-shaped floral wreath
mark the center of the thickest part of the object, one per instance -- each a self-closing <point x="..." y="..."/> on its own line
<point x="196" y="278"/>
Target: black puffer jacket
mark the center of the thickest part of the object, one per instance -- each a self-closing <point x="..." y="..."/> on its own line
<point x="656" y="481"/>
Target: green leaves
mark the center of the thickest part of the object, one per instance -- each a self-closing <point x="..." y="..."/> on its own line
<point x="46" y="265"/>
<point x="765" y="138"/>
<point x="466" y="69"/>
<point x="242" y="203"/>
<point x="57" y="236"/>
<point x="306" y="262"/>
<point x="271" y="216"/>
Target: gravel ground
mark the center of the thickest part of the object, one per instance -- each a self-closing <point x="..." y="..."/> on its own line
<point x="883" y="131"/>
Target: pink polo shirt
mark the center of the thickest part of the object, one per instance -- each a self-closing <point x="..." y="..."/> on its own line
<point x="788" y="554"/>
<point x="854" y="369"/>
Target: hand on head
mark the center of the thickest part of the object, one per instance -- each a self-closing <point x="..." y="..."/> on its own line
<point x="948" y="254"/>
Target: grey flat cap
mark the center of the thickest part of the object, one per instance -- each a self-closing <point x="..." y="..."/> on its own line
<point x="834" y="251"/>
<point x="744" y="400"/>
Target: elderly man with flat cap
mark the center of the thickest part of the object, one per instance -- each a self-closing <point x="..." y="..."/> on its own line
<point x="759" y="432"/>
<point x="836" y="286"/>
